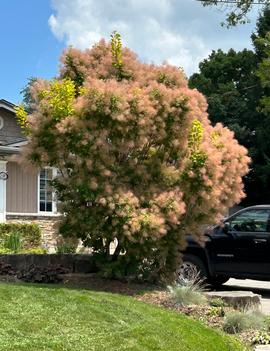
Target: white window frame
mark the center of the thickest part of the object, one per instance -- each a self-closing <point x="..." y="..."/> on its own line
<point x="54" y="202"/>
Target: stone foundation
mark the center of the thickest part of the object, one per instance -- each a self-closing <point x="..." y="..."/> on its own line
<point x="48" y="226"/>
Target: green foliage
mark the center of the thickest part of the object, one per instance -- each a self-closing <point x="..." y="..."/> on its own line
<point x="117" y="59"/>
<point x="261" y="338"/>
<point x="237" y="12"/>
<point x="66" y="245"/>
<point x="216" y="302"/>
<point x="5" y="251"/>
<point x="21" y="115"/>
<point x="16" y="237"/>
<point x="267" y="323"/>
<point x="230" y="85"/>
<point x="216" y="312"/>
<point x="236" y="85"/>
<point x="26" y="94"/>
<point x="238" y="321"/>
<point x="13" y="242"/>
<point x="60" y="97"/>
<point x="189" y="293"/>
<point x="195" y="135"/>
<point x="116" y="45"/>
<point x="66" y="248"/>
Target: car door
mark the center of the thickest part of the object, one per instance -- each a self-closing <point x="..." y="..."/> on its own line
<point x="243" y="248"/>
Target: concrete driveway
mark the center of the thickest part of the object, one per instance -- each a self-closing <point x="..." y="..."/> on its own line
<point x="256" y="286"/>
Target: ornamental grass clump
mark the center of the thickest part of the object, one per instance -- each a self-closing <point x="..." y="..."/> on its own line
<point x="13" y="242"/>
<point x="139" y="162"/>
<point x="238" y="321"/>
<point x="188" y="293"/>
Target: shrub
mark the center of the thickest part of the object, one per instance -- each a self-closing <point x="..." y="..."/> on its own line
<point x="6" y="269"/>
<point x="216" y="302"/>
<point x="29" y="234"/>
<point x="238" y="321"/>
<point x="216" y="312"/>
<point x="140" y="160"/>
<point x="37" y="274"/>
<point x="189" y="293"/>
<point x="66" y="245"/>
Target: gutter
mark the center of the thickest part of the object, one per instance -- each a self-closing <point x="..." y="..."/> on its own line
<point x="6" y="107"/>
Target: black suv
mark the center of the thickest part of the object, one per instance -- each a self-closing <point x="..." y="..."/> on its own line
<point x="239" y="248"/>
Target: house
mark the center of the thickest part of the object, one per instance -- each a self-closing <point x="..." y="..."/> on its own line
<point x="25" y="196"/>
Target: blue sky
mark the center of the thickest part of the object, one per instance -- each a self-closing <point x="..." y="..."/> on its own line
<point x="28" y="47"/>
<point x="34" y="32"/>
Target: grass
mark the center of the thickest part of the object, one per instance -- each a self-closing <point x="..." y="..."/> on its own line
<point x="188" y="293"/>
<point x="35" y="318"/>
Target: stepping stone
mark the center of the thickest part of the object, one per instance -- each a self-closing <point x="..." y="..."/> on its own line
<point x="262" y="348"/>
<point x="236" y="299"/>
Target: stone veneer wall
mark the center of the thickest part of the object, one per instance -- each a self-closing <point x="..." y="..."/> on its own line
<point x="48" y="227"/>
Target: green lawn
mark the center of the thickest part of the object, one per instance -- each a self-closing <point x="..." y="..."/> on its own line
<point x="35" y="318"/>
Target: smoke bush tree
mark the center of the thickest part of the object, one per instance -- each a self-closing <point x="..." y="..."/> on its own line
<point x="138" y="158"/>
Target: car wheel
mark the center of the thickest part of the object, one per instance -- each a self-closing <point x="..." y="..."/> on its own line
<point x="192" y="269"/>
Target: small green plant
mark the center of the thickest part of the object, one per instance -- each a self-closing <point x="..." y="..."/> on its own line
<point x="66" y="245"/>
<point x="261" y="338"/>
<point x="216" y="302"/>
<point x="13" y="242"/>
<point x="267" y="323"/>
<point x="216" y="312"/>
<point x="30" y="233"/>
<point x="188" y="293"/>
<point x="65" y="248"/>
<point x="237" y="321"/>
<point x="5" y="251"/>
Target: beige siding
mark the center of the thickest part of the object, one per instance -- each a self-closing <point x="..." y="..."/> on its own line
<point x="21" y="189"/>
<point x="11" y="130"/>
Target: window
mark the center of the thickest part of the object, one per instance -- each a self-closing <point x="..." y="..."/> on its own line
<point x="47" y="202"/>
<point x="251" y="221"/>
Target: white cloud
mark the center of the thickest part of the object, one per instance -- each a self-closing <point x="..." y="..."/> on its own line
<point x="181" y="32"/>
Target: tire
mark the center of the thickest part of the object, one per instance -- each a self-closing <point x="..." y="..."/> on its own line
<point x="216" y="282"/>
<point x="192" y="269"/>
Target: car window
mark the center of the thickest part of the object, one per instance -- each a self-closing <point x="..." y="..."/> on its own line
<point x="250" y="221"/>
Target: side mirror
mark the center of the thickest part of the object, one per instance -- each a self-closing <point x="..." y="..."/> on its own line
<point x="226" y="227"/>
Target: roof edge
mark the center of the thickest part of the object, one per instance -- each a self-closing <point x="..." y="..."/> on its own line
<point x="7" y="105"/>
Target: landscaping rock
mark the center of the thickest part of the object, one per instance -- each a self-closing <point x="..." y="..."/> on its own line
<point x="237" y="299"/>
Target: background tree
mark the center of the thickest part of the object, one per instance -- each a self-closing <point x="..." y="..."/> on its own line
<point x="236" y="10"/>
<point x="234" y="92"/>
<point x="138" y="157"/>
